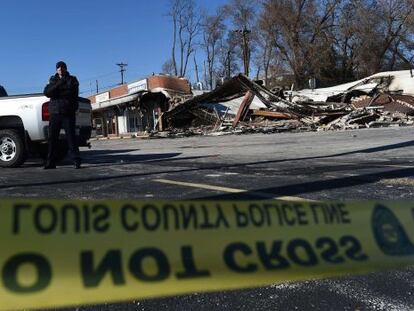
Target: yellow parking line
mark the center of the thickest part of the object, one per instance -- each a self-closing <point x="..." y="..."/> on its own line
<point x="231" y="190"/>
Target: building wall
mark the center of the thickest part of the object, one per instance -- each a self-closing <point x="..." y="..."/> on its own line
<point x="118" y="91"/>
<point x="170" y="83"/>
<point x="116" y="122"/>
<point x="113" y="93"/>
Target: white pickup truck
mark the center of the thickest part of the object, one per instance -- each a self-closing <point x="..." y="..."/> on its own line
<point x="24" y="121"/>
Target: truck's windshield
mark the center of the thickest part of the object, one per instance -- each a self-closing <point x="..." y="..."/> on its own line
<point x="2" y="91"/>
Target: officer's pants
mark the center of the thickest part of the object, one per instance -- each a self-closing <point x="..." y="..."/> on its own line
<point x="68" y="123"/>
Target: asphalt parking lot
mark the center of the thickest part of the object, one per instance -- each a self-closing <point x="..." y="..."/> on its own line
<point x="374" y="164"/>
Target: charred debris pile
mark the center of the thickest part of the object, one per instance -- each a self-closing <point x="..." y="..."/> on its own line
<point x="244" y="106"/>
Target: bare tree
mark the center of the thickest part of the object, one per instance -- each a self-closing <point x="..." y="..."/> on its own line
<point x="196" y="69"/>
<point x="331" y="40"/>
<point x="186" y="24"/>
<point x="213" y="30"/>
<point x="266" y="50"/>
<point x="264" y="57"/>
<point x="227" y="56"/>
<point x="243" y="15"/>
<point x="168" y="67"/>
<point x="300" y="33"/>
<point x="382" y="30"/>
<point x="345" y="43"/>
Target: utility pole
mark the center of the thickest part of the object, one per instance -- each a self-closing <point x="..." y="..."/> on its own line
<point x="97" y="86"/>
<point x="122" y="70"/>
<point x="246" y="52"/>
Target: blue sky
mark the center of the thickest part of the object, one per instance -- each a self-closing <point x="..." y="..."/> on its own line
<point x="90" y="35"/>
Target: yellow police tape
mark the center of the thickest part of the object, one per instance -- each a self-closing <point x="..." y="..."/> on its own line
<point x="60" y="253"/>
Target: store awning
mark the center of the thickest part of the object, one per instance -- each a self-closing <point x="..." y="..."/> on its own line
<point x="115" y="101"/>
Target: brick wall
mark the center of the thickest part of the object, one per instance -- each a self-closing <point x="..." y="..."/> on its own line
<point x="118" y="91"/>
<point x="113" y="93"/>
<point x="169" y="83"/>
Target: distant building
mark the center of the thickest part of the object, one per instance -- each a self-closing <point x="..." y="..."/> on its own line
<point x="136" y="107"/>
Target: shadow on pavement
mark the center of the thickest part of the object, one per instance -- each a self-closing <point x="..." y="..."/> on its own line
<point x="409" y="143"/>
<point x="106" y="152"/>
<point x="296" y="189"/>
<point x="315" y="186"/>
<point x="127" y="158"/>
<point x="206" y="166"/>
<point x="368" y="150"/>
<point x="112" y="157"/>
<point x="289" y="190"/>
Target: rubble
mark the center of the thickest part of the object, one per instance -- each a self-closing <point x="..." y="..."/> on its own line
<point x="244" y="106"/>
<point x="387" y="102"/>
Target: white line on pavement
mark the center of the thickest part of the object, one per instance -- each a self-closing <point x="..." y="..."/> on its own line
<point x="231" y="190"/>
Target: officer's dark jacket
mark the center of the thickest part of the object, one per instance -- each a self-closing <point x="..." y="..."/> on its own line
<point x="2" y="91"/>
<point x="63" y="93"/>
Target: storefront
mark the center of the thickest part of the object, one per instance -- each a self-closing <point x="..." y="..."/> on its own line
<point x="135" y="108"/>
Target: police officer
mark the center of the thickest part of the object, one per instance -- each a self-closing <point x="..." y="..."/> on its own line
<point x="63" y="91"/>
<point x="3" y="92"/>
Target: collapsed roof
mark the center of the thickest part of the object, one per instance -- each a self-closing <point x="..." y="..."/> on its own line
<point x="396" y="82"/>
<point x="375" y="101"/>
<point x="234" y="88"/>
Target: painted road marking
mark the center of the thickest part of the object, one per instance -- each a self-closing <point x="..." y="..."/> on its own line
<point x="231" y="190"/>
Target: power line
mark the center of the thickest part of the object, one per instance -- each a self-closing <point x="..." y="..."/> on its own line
<point x="104" y="88"/>
<point x="100" y="76"/>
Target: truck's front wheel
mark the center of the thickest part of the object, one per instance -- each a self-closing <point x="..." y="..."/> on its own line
<point x="12" y="149"/>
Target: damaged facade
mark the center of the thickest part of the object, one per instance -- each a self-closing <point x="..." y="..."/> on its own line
<point x="165" y="106"/>
<point x="135" y="108"/>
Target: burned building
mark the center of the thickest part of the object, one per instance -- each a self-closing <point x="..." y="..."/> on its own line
<point x="384" y="99"/>
<point x="135" y="108"/>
